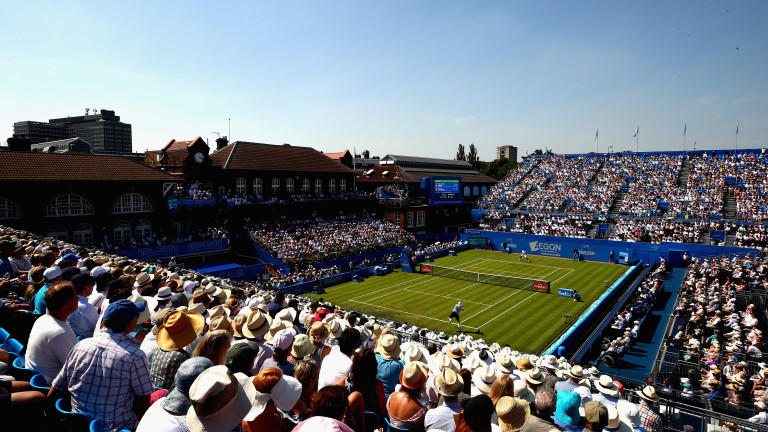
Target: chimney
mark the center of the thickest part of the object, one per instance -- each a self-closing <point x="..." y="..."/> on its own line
<point x="366" y="154"/>
<point x="221" y="142"/>
<point x="19" y="143"/>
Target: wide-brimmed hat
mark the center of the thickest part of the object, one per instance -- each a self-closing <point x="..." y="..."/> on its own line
<point x="649" y="393"/>
<point x="144" y="278"/>
<point x="200" y="296"/>
<point x="575" y="372"/>
<point x="302" y="346"/>
<point x="413" y="376"/>
<point x="442" y="362"/>
<point x="628" y="413"/>
<point x="335" y="327"/>
<point x="513" y="413"/>
<point x="567" y="410"/>
<point x="522" y="391"/>
<point x="179" y="330"/>
<point x="455" y="351"/>
<point x="534" y="376"/>
<point x="164" y="293"/>
<point x="505" y="363"/>
<point x="416" y="353"/>
<point x="237" y="325"/>
<point x="220" y="400"/>
<point x="318" y="331"/>
<point x="606" y="386"/>
<point x="524" y="364"/>
<point x="196" y="308"/>
<point x="146" y="313"/>
<point x="285" y="393"/>
<point x="389" y="347"/>
<point x="257" y="325"/>
<point x="448" y="383"/>
<point x="221" y="322"/>
<point x="177" y="399"/>
<point x="159" y="318"/>
<point x="483" y="377"/>
<point x="287" y="314"/>
<point x="129" y="270"/>
<point x="274" y="327"/>
<point x="216" y="311"/>
<point x="473" y="363"/>
<point x="548" y="361"/>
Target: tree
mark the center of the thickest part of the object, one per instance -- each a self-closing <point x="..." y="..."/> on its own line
<point x="460" y="154"/>
<point x="472" y="155"/>
<point x="540" y="152"/>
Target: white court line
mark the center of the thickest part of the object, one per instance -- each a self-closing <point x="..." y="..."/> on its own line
<point x="507" y="272"/>
<point x="527" y="264"/>
<point x="501" y="314"/>
<point x="569" y="272"/>
<point x="392" y="292"/>
<point x="454" y="298"/>
<point x="405" y="312"/>
<point x="388" y="287"/>
<point x="470" y="286"/>
<point x="514" y="293"/>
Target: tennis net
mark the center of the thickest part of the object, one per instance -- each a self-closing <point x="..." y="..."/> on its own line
<point x="485" y="278"/>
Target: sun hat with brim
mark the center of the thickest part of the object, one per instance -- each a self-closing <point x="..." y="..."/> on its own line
<point x="179" y="330"/>
<point x="455" y="351"/>
<point x="524" y="364"/>
<point x="257" y="325"/>
<point x="159" y="318"/>
<point x="220" y="400"/>
<point x="416" y="353"/>
<point x="548" y="361"/>
<point x="283" y="339"/>
<point x="575" y="372"/>
<point x="483" y="377"/>
<point x="321" y="423"/>
<point x="318" y="331"/>
<point x="522" y="391"/>
<point x="216" y="311"/>
<point x="513" y="413"/>
<point x="285" y="393"/>
<point x="474" y="363"/>
<point x="413" y="376"/>
<point x="302" y="346"/>
<point x="567" y="410"/>
<point x="221" y="322"/>
<point x="628" y="413"/>
<point x="275" y="326"/>
<point x="145" y="314"/>
<point x="287" y="314"/>
<point x="389" y="347"/>
<point x="200" y="296"/>
<point x="534" y="376"/>
<point x="177" y="399"/>
<point x="143" y="278"/>
<point x="237" y="325"/>
<point x="505" y="364"/>
<point x="648" y="393"/>
<point x="606" y="386"/>
<point x="164" y="293"/>
<point x="448" y="383"/>
<point x="197" y="308"/>
<point x="335" y="327"/>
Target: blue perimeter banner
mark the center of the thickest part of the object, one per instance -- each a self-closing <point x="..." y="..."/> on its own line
<point x="175" y="250"/>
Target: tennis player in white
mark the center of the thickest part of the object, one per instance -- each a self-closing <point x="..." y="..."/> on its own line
<point x="455" y="314"/>
<point x="523" y="255"/>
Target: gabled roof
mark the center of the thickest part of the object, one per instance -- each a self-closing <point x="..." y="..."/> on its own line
<point x="36" y="166"/>
<point x="422" y="161"/>
<point x="243" y="155"/>
<point x="337" y="155"/>
<point x="174" y="145"/>
<point x="396" y="174"/>
<point x="175" y="152"/>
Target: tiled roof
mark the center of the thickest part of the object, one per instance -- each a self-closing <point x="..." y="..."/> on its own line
<point x="36" y="166"/>
<point x="241" y="155"/>
<point x="176" y="151"/>
<point x="337" y="155"/>
<point x="401" y="174"/>
<point x="422" y="161"/>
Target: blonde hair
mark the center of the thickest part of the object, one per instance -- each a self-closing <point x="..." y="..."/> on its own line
<point x="214" y="346"/>
<point x="503" y="386"/>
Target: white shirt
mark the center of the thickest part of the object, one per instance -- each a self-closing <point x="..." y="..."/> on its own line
<point x="49" y="344"/>
<point x="83" y="320"/>
<point x="157" y="419"/>
<point x="335" y="366"/>
<point x="96" y="298"/>
<point x="441" y="418"/>
<point x="149" y="343"/>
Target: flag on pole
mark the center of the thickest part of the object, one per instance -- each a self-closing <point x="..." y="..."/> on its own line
<point x="596" y="131"/>
<point x="685" y="128"/>
<point x="637" y="131"/>
<point x="737" y="128"/>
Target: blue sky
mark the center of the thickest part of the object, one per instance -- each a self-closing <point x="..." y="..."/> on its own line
<point x="398" y="77"/>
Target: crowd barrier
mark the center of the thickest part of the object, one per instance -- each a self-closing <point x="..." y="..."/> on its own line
<point x="269" y="259"/>
<point x="342" y="278"/>
<point x="175" y="250"/>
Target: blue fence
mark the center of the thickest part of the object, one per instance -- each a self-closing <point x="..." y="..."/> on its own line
<point x="269" y="259"/>
<point x="176" y="250"/>
<point x="341" y="278"/>
<point x="341" y="262"/>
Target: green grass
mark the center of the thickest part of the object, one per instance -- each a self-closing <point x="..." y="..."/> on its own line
<point x="528" y="321"/>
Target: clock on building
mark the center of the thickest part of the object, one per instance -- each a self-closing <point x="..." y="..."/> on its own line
<point x="199" y="157"/>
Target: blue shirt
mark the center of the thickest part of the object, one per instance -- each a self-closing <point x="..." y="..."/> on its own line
<point x="5" y="269"/>
<point x="388" y="372"/>
<point x="40" y="300"/>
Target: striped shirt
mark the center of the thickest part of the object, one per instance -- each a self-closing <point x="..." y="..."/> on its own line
<point x="104" y="374"/>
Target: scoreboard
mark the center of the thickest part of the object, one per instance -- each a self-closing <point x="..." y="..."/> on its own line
<point x="443" y="190"/>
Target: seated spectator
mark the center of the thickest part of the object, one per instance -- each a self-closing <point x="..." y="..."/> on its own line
<point x="275" y="392"/>
<point x="514" y="414"/>
<point x="178" y="330"/>
<point x="83" y="320"/>
<point x="219" y="400"/>
<point x="214" y="346"/>
<point x="389" y="363"/>
<point x="449" y="385"/>
<point x="403" y="406"/>
<point x="337" y="365"/>
<point x="329" y="406"/>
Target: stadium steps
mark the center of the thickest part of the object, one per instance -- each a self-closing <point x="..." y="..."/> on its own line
<point x="730" y="239"/>
<point x="614" y="211"/>
<point x="685" y="172"/>
<point x="599" y="169"/>
<point x="729" y="207"/>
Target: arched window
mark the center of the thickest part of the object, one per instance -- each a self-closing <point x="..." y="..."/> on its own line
<point x="305" y="185"/>
<point x="275" y="186"/>
<point x="9" y="209"/>
<point x="343" y="185"/>
<point x="240" y="185"/>
<point x="289" y="185"/>
<point x="82" y="234"/>
<point x="59" y="232"/>
<point x="475" y="190"/>
<point x="132" y="203"/>
<point x="122" y="233"/>
<point x="318" y="186"/>
<point x="332" y="186"/>
<point x="466" y="191"/>
<point x="143" y="229"/>
<point x="257" y="186"/>
<point x="484" y="190"/>
<point x="69" y="205"/>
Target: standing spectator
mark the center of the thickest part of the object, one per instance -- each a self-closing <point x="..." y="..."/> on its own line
<point x="107" y="375"/>
<point x="651" y="421"/>
<point x="51" y="338"/>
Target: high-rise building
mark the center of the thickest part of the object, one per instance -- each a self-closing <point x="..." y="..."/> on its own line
<point x="103" y="131"/>
<point x="507" y="151"/>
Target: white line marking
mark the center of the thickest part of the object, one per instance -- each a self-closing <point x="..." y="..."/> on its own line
<point x="406" y="313"/>
<point x="569" y="272"/>
<point x="501" y="314"/>
<point x="392" y="292"/>
<point x="388" y="287"/>
<point x="454" y="298"/>
<point x="514" y="293"/>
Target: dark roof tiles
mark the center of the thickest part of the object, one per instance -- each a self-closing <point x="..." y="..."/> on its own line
<point x="242" y="155"/>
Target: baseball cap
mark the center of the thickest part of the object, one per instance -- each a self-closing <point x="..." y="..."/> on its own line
<point x="121" y="312"/>
<point x="52" y="273"/>
<point x="595" y="412"/>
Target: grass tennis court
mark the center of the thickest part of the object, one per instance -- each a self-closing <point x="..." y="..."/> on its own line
<point x="526" y="320"/>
